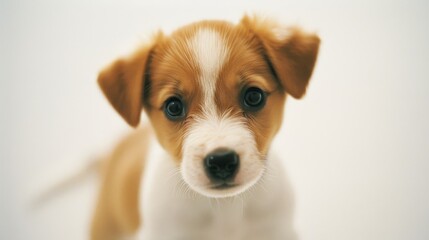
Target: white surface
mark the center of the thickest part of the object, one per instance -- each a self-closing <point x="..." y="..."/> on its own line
<point x="356" y="147"/>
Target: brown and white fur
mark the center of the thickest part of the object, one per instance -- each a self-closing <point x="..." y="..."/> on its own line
<point x="207" y="65"/>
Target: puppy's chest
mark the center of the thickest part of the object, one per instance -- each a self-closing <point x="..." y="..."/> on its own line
<point x="209" y="219"/>
<point x="199" y="218"/>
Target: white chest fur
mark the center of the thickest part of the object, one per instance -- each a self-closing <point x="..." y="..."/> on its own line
<point x="171" y="211"/>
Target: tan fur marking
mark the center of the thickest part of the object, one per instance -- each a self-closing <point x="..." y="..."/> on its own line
<point x="117" y="211"/>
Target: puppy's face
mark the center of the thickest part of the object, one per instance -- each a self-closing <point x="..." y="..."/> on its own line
<point x="215" y="93"/>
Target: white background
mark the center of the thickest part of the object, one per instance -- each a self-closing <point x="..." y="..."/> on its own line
<point x="356" y="147"/>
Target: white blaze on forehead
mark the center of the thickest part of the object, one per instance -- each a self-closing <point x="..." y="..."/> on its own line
<point x="210" y="53"/>
<point x="211" y="130"/>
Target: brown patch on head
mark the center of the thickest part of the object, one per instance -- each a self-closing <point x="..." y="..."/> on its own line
<point x="173" y="73"/>
<point x="247" y="67"/>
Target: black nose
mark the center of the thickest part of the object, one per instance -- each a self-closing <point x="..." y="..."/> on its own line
<point x="221" y="164"/>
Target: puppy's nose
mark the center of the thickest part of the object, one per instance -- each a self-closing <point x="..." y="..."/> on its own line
<point x="221" y="164"/>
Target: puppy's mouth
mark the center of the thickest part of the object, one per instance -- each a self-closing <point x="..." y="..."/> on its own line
<point x="222" y="186"/>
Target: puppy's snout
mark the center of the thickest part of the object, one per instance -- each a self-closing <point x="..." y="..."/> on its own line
<point x="221" y="164"/>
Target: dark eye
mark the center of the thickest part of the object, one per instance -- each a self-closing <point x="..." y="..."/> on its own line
<point x="253" y="99"/>
<point x="174" y="109"/>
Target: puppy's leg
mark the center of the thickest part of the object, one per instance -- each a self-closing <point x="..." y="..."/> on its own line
<point x="117" y="214"/>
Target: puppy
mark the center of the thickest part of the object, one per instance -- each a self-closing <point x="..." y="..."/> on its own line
<point x="214" y="93"/>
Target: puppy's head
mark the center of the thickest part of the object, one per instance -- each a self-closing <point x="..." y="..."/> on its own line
<point x="214" y="93"/>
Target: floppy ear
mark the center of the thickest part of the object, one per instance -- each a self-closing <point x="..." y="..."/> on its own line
<point x="122" y="83"/>
<point x="291" y="52"/>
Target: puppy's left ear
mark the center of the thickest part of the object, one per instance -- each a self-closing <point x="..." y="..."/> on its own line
<point x="291" y="52"/>
<point x="122" y="83"/>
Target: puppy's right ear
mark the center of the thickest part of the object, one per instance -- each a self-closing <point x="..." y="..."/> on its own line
<point x="122" y="83"/>
<point x="291" y="52"/>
